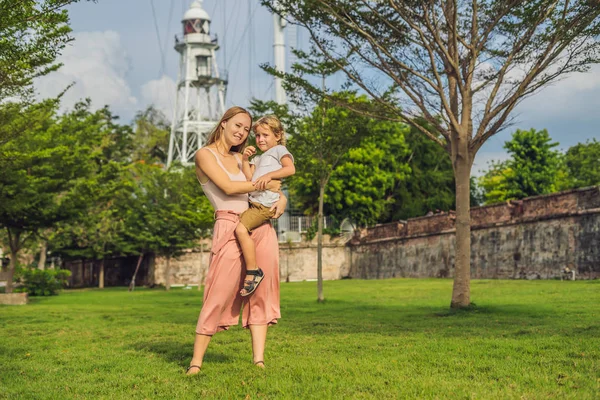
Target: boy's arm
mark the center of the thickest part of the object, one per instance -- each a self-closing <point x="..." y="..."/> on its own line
<point x="247" y="168"/>
<point x="287" y="169"/>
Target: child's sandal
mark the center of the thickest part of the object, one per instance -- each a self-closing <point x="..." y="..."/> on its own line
<point x="251" y="285"/>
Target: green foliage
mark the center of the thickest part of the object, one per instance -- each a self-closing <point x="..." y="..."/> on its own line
<point x="98" y="231"/>
<point x="47" y="282"/>
<point x="533" y="169"/>
<point x="32" y="35"/>
<point x="46" y="168"/>
<point x="362" y="185"/>
<point x="151" y="136"/>
<point x="430" y="184"/>
<point x="290" y="121"/>
<point x="477" y="196"/>
<point x="583" y="164"/>
<point x="169" y="211"/>
<point x="331" y="230"/>
<point x="534" y="162"/>
<point x="41" y="169"/>
<point x="129" y="208"/>
<point x="53" y="169"/>
<point x="494" y="183"/>
<point x="397" y="173"/>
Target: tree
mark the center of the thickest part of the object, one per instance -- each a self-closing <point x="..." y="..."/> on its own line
<point x="98" y="232"/>
<point x="319" y="146"/>
<point x="533" y="168"/>
<point x="462" y="66"/>
<point x="534" y="162"/>
<point x="151" y="136"/>
<point x="174" y="213"/>
<point x="32" y="35"/>
<point x="494" y="183"/>
<point x="290" y="121"/>
<point x="41" y="168"/>
<point x="362" y="185"/>
<point x="48" y="171"/>
<point x="430" y="184"/>
<point x="583" y="164"/>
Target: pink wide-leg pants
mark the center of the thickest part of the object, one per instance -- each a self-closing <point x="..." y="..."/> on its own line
<point x="222" y="301"/>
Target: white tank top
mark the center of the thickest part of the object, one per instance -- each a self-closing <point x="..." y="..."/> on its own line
<point x="219" y="199"/>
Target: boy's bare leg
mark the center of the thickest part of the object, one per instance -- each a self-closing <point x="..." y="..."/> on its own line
<point x="248" y="250"/>
<point x="247" y="245"/>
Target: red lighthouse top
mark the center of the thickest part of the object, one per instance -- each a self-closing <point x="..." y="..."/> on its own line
<point x="196" y="19"/>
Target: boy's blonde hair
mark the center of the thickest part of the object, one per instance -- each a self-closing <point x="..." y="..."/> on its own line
<point x="274" y="125"/>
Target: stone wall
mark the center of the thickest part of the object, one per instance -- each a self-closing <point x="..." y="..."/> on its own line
<point x="297" y="262"/>
<point x="533" y="238"/>
<point x="187" y="269"/>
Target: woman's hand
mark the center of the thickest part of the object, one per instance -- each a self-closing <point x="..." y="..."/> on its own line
<point x="273" y="186"/>
<point x="279" y="207"/>
<point x="262" y="182"/>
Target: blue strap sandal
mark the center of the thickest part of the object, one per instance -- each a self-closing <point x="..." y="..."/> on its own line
<point x="251" y="285"/>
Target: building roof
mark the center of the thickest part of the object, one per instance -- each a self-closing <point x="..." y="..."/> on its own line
<point x="196" y="12"/>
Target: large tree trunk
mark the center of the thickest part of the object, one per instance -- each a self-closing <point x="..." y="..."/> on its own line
<point x="137" y="267"/>
<point x="461" y="161"/>
<point x="43" y="250"/>
<point x="168" y="274"/>
<point x="101" y="275"/>
<point x="320" y="297"/>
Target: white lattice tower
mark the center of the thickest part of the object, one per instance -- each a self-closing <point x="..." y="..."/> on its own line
<point x="200" y="97"/>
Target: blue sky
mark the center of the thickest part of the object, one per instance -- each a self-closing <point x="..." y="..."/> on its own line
<point x="117" y="59"/>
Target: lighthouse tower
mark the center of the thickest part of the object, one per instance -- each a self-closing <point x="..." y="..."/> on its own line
<point x="200" y="97"/>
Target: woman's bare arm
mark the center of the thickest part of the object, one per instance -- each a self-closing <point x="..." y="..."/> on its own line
<point x="206" y="164"/>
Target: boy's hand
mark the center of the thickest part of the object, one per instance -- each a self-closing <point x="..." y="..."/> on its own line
<point x="248" y="152"/>
<point x="261" y="183"/>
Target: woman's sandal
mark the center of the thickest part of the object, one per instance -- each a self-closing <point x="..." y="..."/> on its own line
<point x="190" y="367"/>
<point x="259" y="364"/>
<point x="250" y="286"/>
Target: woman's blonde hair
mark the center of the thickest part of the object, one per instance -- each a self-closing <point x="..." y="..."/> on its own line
<point x="216" y="133"/>
<point x="274" y="125"/>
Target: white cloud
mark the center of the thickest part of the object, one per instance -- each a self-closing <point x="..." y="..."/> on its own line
<point x="575" y="97"/>
<point x="160" y="93"/>
<point x="97" y="64"/>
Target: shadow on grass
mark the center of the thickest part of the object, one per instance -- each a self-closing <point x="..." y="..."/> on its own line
<point x="178" y="353"/>
<point x="348" y="317"/>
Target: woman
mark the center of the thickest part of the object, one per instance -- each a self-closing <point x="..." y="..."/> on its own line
<point x="218" y="168"/>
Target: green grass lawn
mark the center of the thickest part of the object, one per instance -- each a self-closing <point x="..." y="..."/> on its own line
<point x="370" y="339"/>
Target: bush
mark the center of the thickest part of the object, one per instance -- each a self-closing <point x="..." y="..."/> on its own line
<point x="334" y="230"/>
<point x="48" y="282"/>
